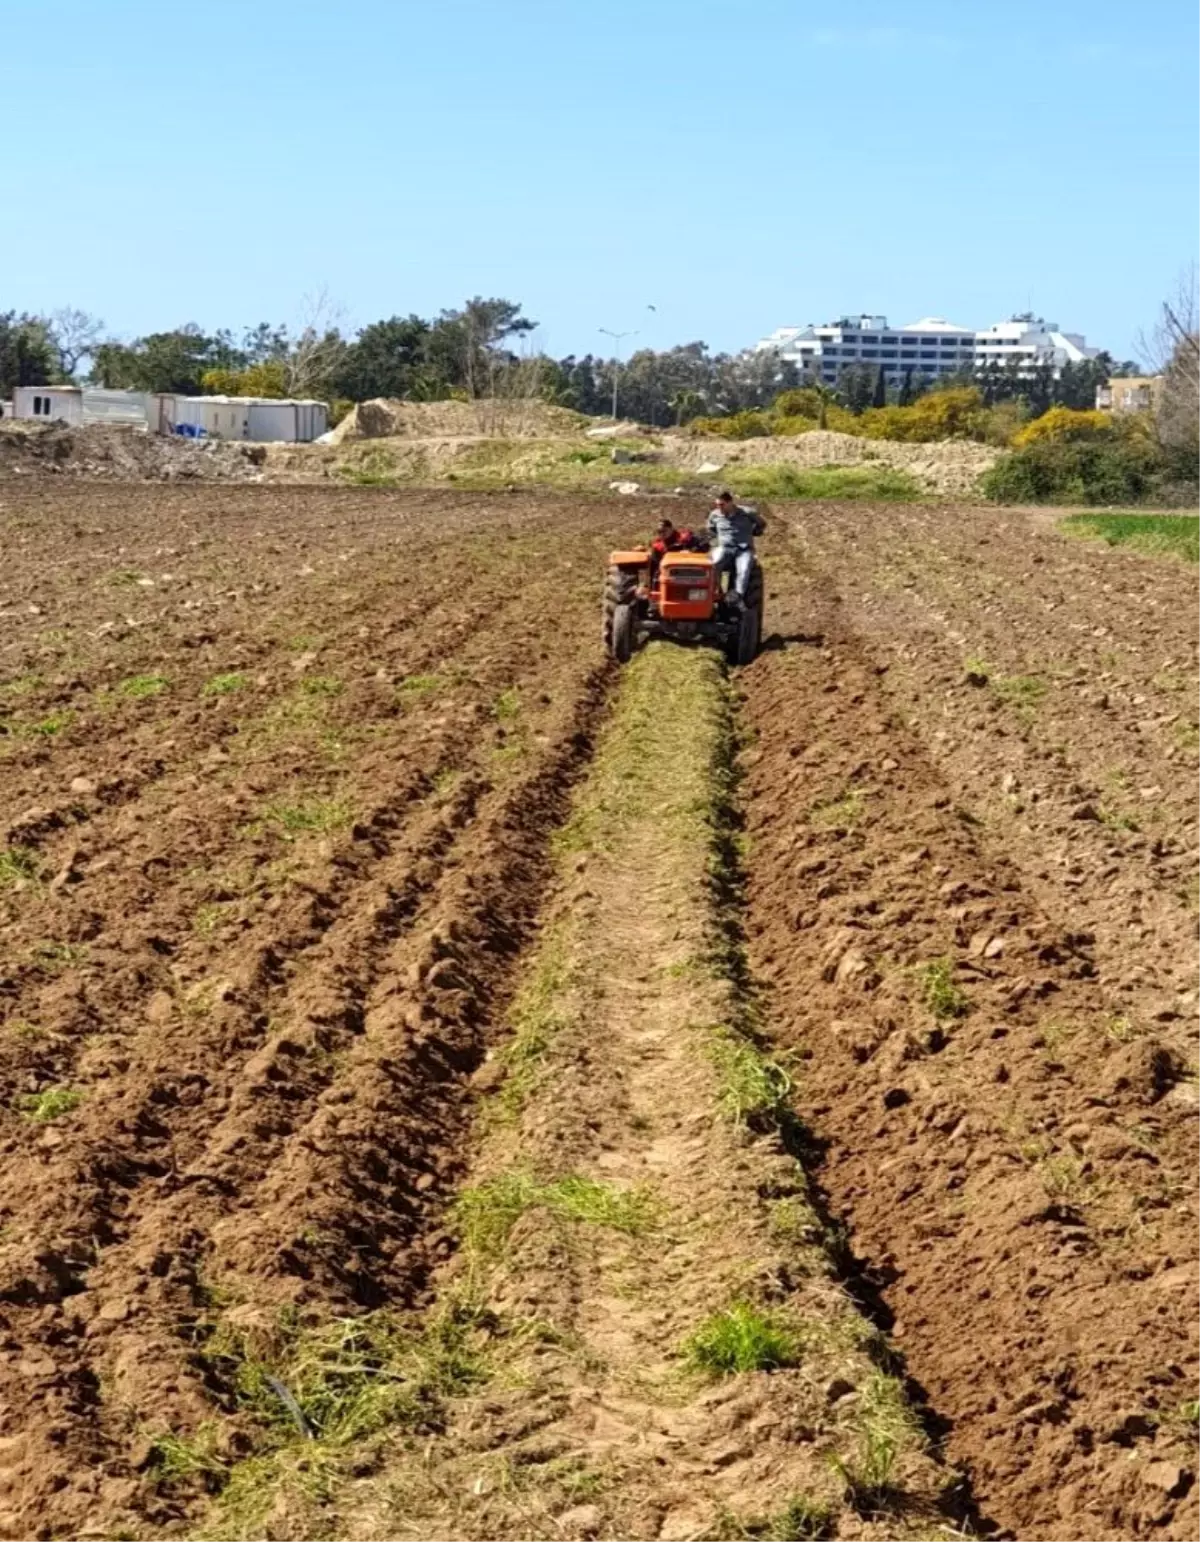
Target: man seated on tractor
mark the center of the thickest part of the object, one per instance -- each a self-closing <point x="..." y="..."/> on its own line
<point x="732" y="529"/>
<point x="669" y="538"/>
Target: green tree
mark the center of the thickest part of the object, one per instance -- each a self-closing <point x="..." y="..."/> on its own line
<point x="906" y="388"/>
<point x="162" y="361"/>
<point x="856" y="386"/>
<point x="1077" y="382"/>
<point x="386" y="359"/>
<point x="27" y="353"/>
<point x="879" y="394"/>
<point x="465" y="348"/>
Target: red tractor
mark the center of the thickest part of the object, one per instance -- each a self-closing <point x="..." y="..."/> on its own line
<point x="683" y="600"/>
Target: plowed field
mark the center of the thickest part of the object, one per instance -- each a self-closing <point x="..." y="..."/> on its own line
<point x="412" y="1028"/>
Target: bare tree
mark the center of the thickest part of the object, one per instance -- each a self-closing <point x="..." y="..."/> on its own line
<point x="75" y="335"/>
<point x="318" y="348"/>
<point x="1173" y="351"/>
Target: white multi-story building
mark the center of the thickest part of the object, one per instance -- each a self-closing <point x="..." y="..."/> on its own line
<point x="930" y="347"/>
<point x="1032" y="340"/>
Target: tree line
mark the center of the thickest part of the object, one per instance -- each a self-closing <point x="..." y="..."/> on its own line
<point x="483" y="348"/>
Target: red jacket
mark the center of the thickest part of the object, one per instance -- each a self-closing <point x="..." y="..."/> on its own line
<point x="682" y="540"/>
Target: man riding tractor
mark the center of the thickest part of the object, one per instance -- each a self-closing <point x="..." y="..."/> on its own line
<point x="732" y="529"/>
<point x="673" y="588"/>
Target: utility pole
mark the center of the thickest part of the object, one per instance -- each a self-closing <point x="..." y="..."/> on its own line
<point x="617" y="336"/>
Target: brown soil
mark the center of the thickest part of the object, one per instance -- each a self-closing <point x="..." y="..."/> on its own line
<point x="261" y="912"/>
<point x="1016" y="1161"/>
<point x="281" y="768"/>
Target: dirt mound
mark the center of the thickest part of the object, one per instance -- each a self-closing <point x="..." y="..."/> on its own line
<point x="951" y="467"/>
<point x="125" y="454"/>
<point x="521" y="418"/>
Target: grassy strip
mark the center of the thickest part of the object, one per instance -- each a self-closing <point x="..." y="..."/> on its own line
<point x="491" y="465"/>
<point x="1161" y="535"/>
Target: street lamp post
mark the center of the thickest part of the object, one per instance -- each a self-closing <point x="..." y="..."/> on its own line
<point x="617" y="336"/>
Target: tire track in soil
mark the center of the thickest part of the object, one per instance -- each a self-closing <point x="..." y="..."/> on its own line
<point x="344" y="1195"/>
<point x="1017" y="1176"/>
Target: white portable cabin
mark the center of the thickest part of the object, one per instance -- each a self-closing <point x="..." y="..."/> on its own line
<point x="48" y="404"/>
<point x="81" y="405"/>
<point x="258" y="418"/>
<point x="292" y="422"/>
<point x="219" y="417"/>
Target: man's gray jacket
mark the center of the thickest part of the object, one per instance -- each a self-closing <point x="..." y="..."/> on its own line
<point x="736" y="528"/>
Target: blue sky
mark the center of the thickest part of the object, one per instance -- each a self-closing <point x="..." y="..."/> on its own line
<point x="737" y="165"/>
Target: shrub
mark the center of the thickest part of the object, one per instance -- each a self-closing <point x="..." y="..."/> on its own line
<point x="1061" y="425"/>
<point x="940" y="415"/>
<point x="1117" y="470"/>
<point x="796" y="423"/>
<point x="738" y="425"/>
<point x="997" y="424"/>
<point x="880" y="484"/>
<point x="801" y="403"/>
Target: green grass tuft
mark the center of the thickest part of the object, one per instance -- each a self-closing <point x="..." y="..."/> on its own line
<point x="138" y="687"/>
<point x="53" y="723"/>
<point x="508" y="705"/>
<point x="840" y="813"/>
<point x="753" y="1087"/>
<point x="315" y="817"/>
<point x="487" y="1212"/>
<point x="741" y="1338"/>
<point x="413" y="687"/>
<point x="52" y="1103"/>
<point x="18" y="864"/>
<point x="175" y="1459"/>
<point x="321" y="685"/>
<point x="801" y="1519"/>
<point x="939" y="991"/>
<point x="886" y="1427"/>
<point x="223" y="685"/>
<point x="1024" y="691"/>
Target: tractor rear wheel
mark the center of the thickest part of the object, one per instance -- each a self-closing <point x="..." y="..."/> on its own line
<point x="745" y="642"/>
<point x="620" y="591"/>
<point x="624" y="633"/>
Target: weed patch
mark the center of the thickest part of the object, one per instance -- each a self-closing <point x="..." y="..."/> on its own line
<point x="1021" y="691"/>
<point x="841" y="813"/>
<point x="321" y="685"/>
<point x="753" y="1087"/>
<point x="137" y="687"/>
<point x="939" y="991"/>
<point x="50" y="1104"/>
<point x="536" y="1017"/>
<point x="319" y="817"/>
<point x="413" y="687"/>
<point x="886" y="1426"/>
<point x="742" y="1338"/>
<point x="223" y="685"/>
<point x="801" y="1519"/>
<point x="18" y="864"/>
<point x="486" y="1213"/>
<point x="53" y="723"/>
